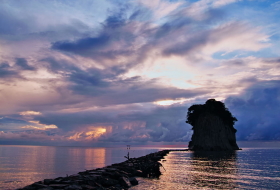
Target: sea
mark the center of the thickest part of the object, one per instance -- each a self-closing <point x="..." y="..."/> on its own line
<point x="250" y="168"/>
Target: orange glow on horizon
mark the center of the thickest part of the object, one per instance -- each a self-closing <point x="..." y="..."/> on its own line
<point x="94" y="133"/>
<point x="41" y="126"/>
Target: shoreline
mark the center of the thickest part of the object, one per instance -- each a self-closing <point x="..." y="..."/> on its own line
<point x="116" y="176"/>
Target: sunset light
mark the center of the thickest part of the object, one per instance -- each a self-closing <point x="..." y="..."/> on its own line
<point x="91" y="83"/>
<point x="169" y="102"/>
<point x="89" y="135"/>
<point x="96" y="133"/>
<point x="70" y="69"/>
<point x="30" y="113"/>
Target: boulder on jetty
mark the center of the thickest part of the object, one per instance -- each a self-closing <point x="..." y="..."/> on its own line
<point x="116" y="176"/>
<point x="212" y="127"/>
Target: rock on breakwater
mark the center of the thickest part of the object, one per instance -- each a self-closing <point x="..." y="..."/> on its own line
<point x="116" y="176"/>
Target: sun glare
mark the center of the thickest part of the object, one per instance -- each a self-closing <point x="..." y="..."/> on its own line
<point x="40" y="126"/>
<point x="30" y="113"/>
<point x="169" y="102"/>
<point x="94" y="133"/>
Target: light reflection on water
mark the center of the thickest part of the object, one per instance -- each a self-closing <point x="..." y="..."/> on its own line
<point x="213" y="169"/>
<point x="250" y="168"/>
<point x="246" y="169"/>
<point x="23" y="165"/>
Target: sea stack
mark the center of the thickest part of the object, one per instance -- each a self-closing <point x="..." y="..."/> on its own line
<point x="212" y="127"/>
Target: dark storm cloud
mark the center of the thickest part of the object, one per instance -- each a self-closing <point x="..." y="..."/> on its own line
<point x="5" y="120"/>
<point x="7" y="72"/>
<point x="23" y="64"/>
<point x="131" y="90"/>
<point x="71" y="121"/>
<point x="116" y="20"/>
<point x="83" y="46"/>
<point x="106" y="87"/>
<point x="91" y="77"/>
<point x="179" y="35"/>
<point x="7" y="124"/>
<point x="157" y="124"/>
<point x="13" y="72"/>
<point x="58" y="66"/>
<point x="257" y="111"/>
<point x="163" y="123"/>
<point x="106" y="45"/>
<point x="77" y="77"/>
<point x="140" y="93"/>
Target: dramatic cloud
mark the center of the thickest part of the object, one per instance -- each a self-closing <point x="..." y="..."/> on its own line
<point x="86" y="72"/>
<point x="22" y="63"/>
<point x="6" y="71"/>
<point x="154" y="124"/>
<point x="257" y="110"/>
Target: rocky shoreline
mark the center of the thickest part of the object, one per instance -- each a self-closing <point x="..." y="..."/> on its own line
<point x="116" y="176"/>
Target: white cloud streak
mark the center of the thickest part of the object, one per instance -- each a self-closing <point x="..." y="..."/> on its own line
<point x="95" y="73"/>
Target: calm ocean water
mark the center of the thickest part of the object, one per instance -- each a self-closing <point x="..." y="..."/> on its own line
<point x="251" y="168"/>
<point x="23" y="165"/>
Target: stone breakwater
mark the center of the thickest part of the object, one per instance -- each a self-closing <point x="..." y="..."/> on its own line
<point x="116" y="176"/>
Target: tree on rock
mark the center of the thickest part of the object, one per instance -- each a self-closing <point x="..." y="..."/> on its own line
<point x="212" y="126"/>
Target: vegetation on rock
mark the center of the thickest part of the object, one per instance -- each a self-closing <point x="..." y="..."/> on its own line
<point x="213" y="107"/>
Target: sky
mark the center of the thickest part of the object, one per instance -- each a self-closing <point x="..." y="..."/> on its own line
<point x="95" y="72"/>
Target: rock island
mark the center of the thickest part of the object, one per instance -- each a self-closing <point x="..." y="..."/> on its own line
<point x="212" y="127"/>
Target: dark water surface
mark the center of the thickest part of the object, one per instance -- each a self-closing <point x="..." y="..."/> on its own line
<point x="251" y="168"/>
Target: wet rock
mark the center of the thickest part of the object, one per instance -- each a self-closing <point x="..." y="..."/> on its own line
<point x="88" y="187"/>
<point x="115" y="177"/>
<point x="48" y="181"/>
<point x="74" y="176"/>
<point x="58" y="186"/>
<point x="107" y="182"/>
<point x="73" y="187"/>
<point x="133" y="181"/>
<point x="125" y="182"/>
<point x="46" y="188"/>
<point x="28" y="188"/>
<point x="39" y="185"/>
<point x="111" y="169"/>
